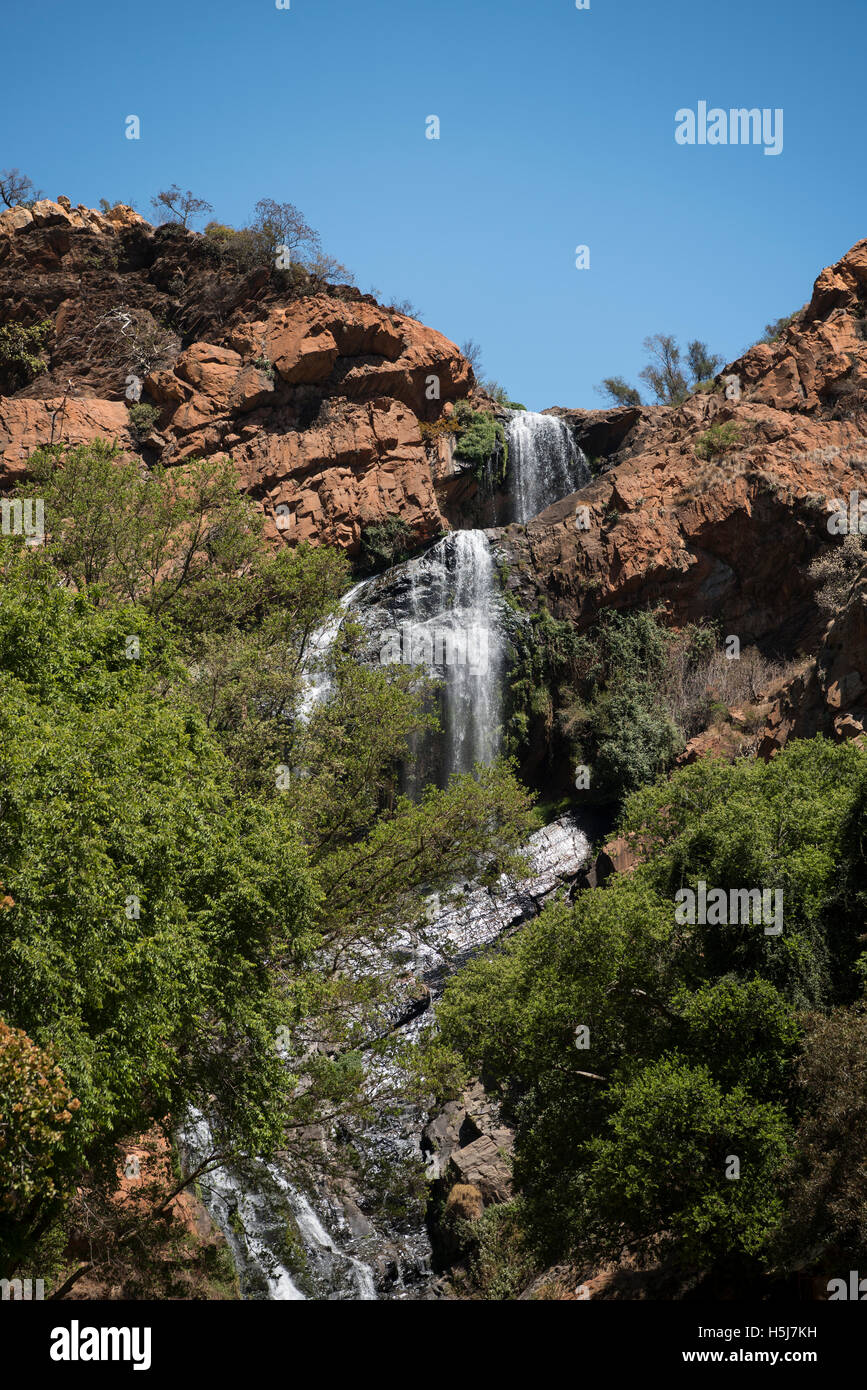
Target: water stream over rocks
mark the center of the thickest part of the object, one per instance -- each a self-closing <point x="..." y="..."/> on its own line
<point x="442" y="610"/>
<point x="544" y="463"/>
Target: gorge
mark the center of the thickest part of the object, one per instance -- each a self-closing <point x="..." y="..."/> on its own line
<point x="442" y="612"/>
<point x="351" y="533"/>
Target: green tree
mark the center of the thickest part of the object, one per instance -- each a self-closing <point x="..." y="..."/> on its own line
<point x="663" y="373"/>
<point x="618" y="390"/>
<point x="636" y="1054"/>
<point x="139" y="534"/>
<point x="703" y="364"/>
<point x="665" y="1164"/>
<point x="147" y="899"/>
<point x="182" y="206"/>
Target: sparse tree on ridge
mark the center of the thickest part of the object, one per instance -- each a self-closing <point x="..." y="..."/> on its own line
<point x="181" y="205"/>
<point x="664" y="373"/>
<point x="16" y="189"/>
<point x="619" y="391"/>
<point x="472" y="351"/>
<point x="703" y="364"/>
<point x="282" y="224"/>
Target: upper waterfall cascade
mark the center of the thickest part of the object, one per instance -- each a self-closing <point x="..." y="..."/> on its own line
<point x="545" y="464"/>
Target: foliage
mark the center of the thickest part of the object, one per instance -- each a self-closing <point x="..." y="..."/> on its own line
<point x="826" y="1206"/>
<point x="497" y="393"/>
<point x="20" y="357"/>
<point x="836" y="570"/>
<point x="598" y="695"/>
<point x="385" y="543"/>
<point x="668" y="377"/>
<point x="618" y="390"/>
<point x="142" y="535"/>
<point x="703" y="364"/>
<point x="36" y="1111"/>
<point x="146" y="898"/>
<point x="777" y="327"/>
<point x="182" y="206"/>
<point x="194" y="860"/>
<point x="279" y="228"/>
<point x="661" y="1163"/>
<point x="481" y="439"/>
<point x="663" y="373"/>
<point x="717" y="440"/>
<point x="142" y="419"/>
<point x="696" y="1034"/>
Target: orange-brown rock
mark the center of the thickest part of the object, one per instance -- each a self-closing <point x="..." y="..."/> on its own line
<point x="27" y="424"/>
<point x="317" y="397"/>
<point x="728" y="538"/>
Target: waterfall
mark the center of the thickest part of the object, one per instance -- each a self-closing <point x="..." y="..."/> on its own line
<point x="254" y="1215"/>
<point x="338" y="1254"/>
<point x="452" y="629"/>
<point x="544" y="463"/>
<point x="317" y="679"/>
<point x="440" y="611"/>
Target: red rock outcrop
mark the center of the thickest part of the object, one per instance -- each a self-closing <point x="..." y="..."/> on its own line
<point x="317" y="396"/>
<point x="712" y="509"/>
<point x="729" y="537"/>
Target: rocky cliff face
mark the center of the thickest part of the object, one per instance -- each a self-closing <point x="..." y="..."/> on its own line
<point x="712" y="509"/>
<point x="729" y="537"/>
<point x="317" y="396"/>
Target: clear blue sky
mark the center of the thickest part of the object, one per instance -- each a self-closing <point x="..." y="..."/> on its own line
<point x="557" y="128"/>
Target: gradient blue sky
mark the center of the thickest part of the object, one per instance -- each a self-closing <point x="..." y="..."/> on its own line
<point x="557" y="128"/>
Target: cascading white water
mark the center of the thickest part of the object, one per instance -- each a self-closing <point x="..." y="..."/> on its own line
<point x="318" y="682"/>
<point x="453" y="630"/>
<point x="253" y="1218"/>
<point x="442" y="611"/>
<point x="544" y="463"/>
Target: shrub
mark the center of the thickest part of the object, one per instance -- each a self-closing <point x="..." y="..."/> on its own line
<point x="244" y="248"/>
<point x="447" y="424"/>
<point x="618" y="391"/>
<point x="131" y="340"/>
<point x="496" y="392"/>
<point x="775" y="329"/>
<point x="264" y="364"/>
<point x="480" y="437"/>
<point x="717" y="440"/>
<point x="142" y="419"/>
<point x="20" y="356"/>
<point x="385" y="543"/>
<point x="836" y="571"/>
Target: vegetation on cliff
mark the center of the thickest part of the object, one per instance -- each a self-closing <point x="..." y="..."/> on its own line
<point x="705" y="1043"/>
<point x="623" y="697"/>
<point x="194" y="871"/>
<point x="668" y="376"/>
